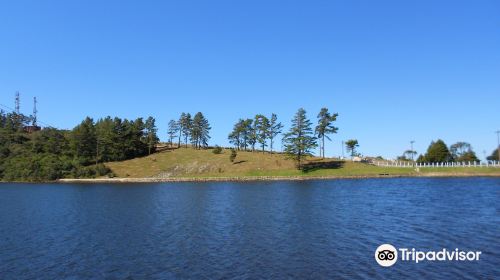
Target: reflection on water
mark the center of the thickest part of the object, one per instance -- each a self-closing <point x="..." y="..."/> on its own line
<point x="306" y="230"/>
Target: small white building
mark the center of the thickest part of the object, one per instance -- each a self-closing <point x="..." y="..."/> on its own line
<point x="357" y="159"/>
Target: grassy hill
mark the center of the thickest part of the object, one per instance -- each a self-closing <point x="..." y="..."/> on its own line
<point x="187" y="162"/>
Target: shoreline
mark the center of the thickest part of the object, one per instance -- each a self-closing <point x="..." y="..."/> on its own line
<point x="267" y="178"/>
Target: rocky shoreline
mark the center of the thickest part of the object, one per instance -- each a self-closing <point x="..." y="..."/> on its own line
<point x="265" y="178"/>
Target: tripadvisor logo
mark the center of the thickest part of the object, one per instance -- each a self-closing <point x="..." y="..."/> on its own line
<point x="387" y="255"/>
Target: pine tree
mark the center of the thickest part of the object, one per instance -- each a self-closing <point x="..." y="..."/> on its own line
<point x="275" y="128"/>
<point x="186" y="126"/>
<point x="300" y="140"/>
<point x="173" y="129"/>
<point x="235" y="137"/>
<point x="84" y="141"/>
<point x="325" y="127"/>
<point x="137" y="147"/>
<point x="151" y="136"/>
<point x="242" y="134"/>
<point x="247" y="133"/>
<point x="351" y="146"/>
<point x="438" y="152"/>
<point x="180" y="123"/>
<point x="200" y="130"/>
<point x="105" y="139"/>
<point x="252" y="135"/>
<point x="261" y="130"/>
<point x="118" y="136"/>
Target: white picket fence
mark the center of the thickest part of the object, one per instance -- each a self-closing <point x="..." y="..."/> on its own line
<point x="436" y="164"/>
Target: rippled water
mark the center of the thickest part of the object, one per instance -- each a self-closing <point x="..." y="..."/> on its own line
<point x="302" y="230"/>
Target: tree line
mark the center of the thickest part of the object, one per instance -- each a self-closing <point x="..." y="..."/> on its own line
<point x="51" y="153"/>
<point x="299" y="141"/>
<point x="438" y="151"/>
<point x="195" y="129"/>
<point x="113" y="139"/>
<point x="247" y="133"/>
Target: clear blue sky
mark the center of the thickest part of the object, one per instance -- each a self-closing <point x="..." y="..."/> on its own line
<point x="395" y="71"/>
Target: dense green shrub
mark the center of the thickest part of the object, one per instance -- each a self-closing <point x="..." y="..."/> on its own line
<point x="51" y="154"/>
<point x="217" y="150"/>
<point x="438" y="152"/>
<point x="102" y="170"/>
<point x="233" y="155"/>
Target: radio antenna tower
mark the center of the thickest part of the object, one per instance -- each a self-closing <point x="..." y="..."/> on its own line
<point x="35" y="111"/>
<point x="18" y="103"/>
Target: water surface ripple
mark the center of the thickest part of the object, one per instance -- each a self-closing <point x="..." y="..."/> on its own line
<point x="250" y="230"/>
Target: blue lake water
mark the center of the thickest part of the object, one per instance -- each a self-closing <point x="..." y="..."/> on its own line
<point x="252" y="230"/>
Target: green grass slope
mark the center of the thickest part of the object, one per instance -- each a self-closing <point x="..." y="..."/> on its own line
<point x="187" y="162"/>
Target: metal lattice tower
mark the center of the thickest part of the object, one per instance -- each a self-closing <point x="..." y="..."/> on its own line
<point x="18" y="103"/>
<point x="35" y="111"/>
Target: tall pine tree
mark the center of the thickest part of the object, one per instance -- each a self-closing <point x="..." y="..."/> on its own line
<point x="173" y="129"/>
<point x="200" y="131"/>
<point x="185" y="126"/>
<point x="438" y="152"/>
<point x="300" y="141"/>
<point x="235" y="137"/>
<point x="151" y="136"/>
<point x="84" y="141"/>
<point x="275" y="128"/>
<point x="325" y="127"/>
<point x="261" y="130"/>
